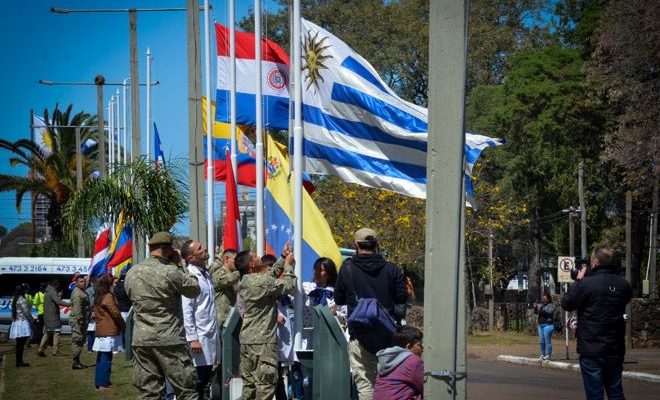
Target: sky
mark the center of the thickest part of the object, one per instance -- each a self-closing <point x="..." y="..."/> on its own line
<point x="40" y="45"/>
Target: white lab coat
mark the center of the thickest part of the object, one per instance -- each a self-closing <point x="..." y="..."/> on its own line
<point x="200" y="319"/>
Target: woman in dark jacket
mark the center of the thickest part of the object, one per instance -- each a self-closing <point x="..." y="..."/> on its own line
<point x="109" y="324"/>
<point x="546" y="327"/>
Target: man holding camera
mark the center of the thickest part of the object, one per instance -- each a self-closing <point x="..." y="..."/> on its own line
<point x="600" y="296"/>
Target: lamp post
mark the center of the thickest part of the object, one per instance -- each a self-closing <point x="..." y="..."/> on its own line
<point x="572" y="213"/>
<point x="491" y="300"/>
<point x="133" y="61"/>
<point x="99" y="82"/>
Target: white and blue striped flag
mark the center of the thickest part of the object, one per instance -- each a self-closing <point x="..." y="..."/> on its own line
<point x="474" y="144"/>
<point x="357" y="128"/>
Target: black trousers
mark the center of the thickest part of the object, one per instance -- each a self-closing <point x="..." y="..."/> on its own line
<point x="204" y="374"/>
<point x="38" y="330"/>
<point x="20" y="348"/>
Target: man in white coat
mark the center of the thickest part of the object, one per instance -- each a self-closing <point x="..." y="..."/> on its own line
<point x="199" y="316"/>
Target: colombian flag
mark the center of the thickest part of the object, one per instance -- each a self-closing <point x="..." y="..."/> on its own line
<point x="246" y="154"/>
<point x="317" y="240"/>
<point x="120" y="254"/>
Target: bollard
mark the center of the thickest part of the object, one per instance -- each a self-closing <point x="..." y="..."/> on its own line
<point x="128" y="336"/>
<point x="331" y="374"/>
<point x="231" y="352"/>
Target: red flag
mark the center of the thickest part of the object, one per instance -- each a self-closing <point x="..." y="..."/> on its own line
<point x="231" y="238"/>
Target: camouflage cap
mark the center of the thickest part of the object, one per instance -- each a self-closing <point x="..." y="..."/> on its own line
<point x="161" y="238"/>
<point x="366" y="235"/>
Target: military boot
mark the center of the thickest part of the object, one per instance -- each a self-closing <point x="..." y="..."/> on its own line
<point x="77" y="364"/>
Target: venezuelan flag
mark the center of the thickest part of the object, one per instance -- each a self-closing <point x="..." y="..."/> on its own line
<point x="245" y="157"/>
<point x="120" y="254"/>
<point x="278" y="198"/>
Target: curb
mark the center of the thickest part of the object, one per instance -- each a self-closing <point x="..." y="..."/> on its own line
<point x="564" y="366"/>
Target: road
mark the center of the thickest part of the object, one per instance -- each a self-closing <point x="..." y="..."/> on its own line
<point x="492" y="380"/>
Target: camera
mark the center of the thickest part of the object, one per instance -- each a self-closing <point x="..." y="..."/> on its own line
<point x="580" y="262"/>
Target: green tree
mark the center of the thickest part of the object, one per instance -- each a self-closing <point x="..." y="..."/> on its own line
<point x="51" y="170"/>
<point x="151" y="199"/>
<point x="578" y="21"/>
<point x="544" y="112"/>
<point x="624" y="67"/>
<point x="394" y="35"/>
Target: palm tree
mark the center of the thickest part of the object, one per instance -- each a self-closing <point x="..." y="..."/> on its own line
<point x="52" y="168"/>
<point x="151" y="199"/>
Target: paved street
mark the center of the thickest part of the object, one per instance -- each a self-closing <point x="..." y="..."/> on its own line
<point x="494" y="381"/>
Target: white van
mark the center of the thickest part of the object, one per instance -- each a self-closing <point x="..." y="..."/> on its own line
<point x="34" y="270"/>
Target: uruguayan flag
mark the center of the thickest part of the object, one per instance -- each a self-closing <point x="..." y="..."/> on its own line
<point x="356" y="127"/>
<point x="474" y="144"/>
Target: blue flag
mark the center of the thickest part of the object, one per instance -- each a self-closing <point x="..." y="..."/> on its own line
<point x="159" y="156"/>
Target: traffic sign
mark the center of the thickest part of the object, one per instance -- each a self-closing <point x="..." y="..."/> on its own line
<point x="564" y="266"/>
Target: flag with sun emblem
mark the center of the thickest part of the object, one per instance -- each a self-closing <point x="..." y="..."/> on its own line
<point x="355" y="126"/>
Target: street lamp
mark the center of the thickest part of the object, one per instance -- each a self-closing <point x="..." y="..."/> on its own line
<point x="136" y="138"/>
<point x="99" y="82"/>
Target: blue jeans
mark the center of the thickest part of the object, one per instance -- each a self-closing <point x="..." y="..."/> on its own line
<point x="90" y="340"/>
<point x="297" y="381"/>
<point x="103" y="368"/>
<point x="545" y="338"/>
<point x="602" y="373"/>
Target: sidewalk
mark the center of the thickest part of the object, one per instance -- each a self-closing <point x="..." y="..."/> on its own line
<point x="639" y="364"/>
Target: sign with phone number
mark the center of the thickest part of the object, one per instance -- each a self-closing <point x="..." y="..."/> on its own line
<point x="44" y="269"/>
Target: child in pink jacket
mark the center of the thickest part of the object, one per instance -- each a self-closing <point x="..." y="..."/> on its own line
<point x="400" y="367"/>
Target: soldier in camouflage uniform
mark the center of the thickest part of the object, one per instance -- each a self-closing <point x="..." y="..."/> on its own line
<point x="80" y="310"/>
<point x="155" y="287"/>
<point x="259" y="289"/>
<point x="225" y="276"/>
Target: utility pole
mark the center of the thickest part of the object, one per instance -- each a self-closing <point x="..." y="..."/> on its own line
<point x="583" y="211"/>
<point x="195" y="149"/>
<point x="136" y="135"/>
<point x="571" y="252"/>
<point x="653" y="286"/>
<point x="491" y="300"/>
<point x="444" y="325"/>
<point x="628" y="263"/>
<point x="81" y="248"/>
<point x="571" y="231"/>
<point x="99" y="81"/>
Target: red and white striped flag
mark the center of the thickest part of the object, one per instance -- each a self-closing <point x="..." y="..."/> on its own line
<point x="98" y="265"/>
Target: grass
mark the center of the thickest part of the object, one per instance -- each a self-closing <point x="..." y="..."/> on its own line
<point x="52" y="377"/>
<point x="501" y="339"/>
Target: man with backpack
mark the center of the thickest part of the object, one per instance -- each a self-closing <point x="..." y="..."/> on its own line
<point x="375" y="291"/>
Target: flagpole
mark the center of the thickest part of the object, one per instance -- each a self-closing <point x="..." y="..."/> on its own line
<point x="232" y="83"/>
<point x="297" y="166"/>
<point x="210" y="175"/>
<point x="259" y="215"/>
<point x="148" y="106"/>
<point x="111" y="127"/>
<point x="117" y="128"/>
<point x="125" y="135"/>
